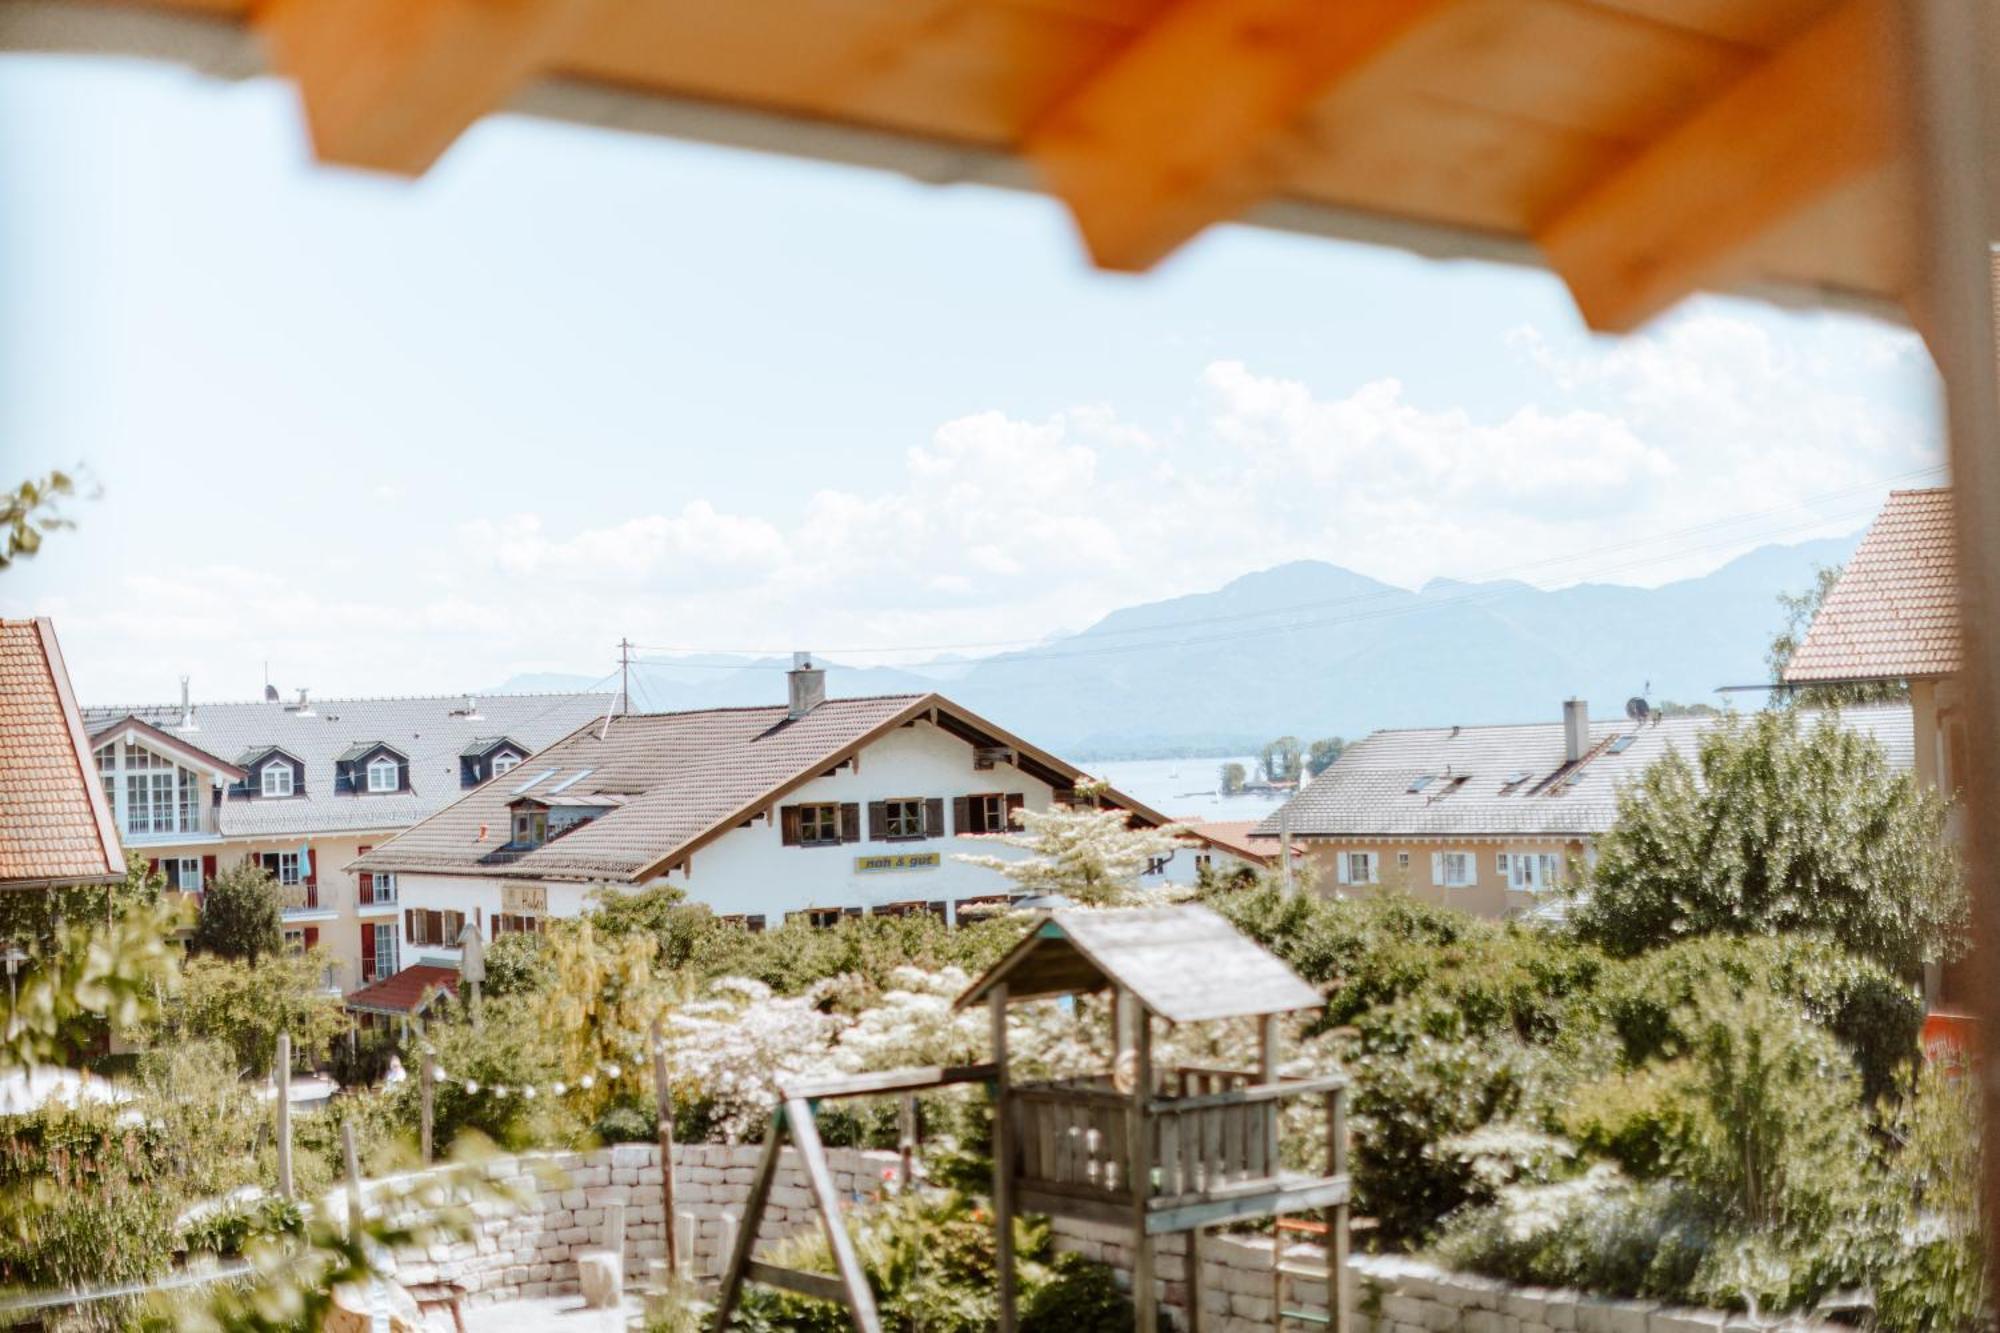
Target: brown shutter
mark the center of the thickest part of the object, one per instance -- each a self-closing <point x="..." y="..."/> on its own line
<point x="934" y="817"/>
<point x="961" y="814"/>
<point x="153" y="870"/>
<point x="366" y="882"/>
<point x="367" y="952"/>
<point x="788" y="825"/>
<point x="850" y="822"/>
<point x="410" y="924"/>
<point x="207" y="870"/>
<point x="1015" y="800"/>
<point x="878" y="820"/>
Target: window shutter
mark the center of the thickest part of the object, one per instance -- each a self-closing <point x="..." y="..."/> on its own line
<point x="961" y="814"/>
<point x="1368" y="868"/>
<point x="788" y="825"/>
<point x="312" y="937"/>
<point x="878" y="820"/>
<point x="153" y="868"/>
<point x="1015" y="801"/>
<point x="207" y="870"/>
<point x="494" y="923"/>
<point x="366" y="887"/>
<point x="1341" y="861"/>
<point x="1437" y="869"/>
<point x="367" y="952"/>
<point x="410" y="924"/>
<point x="934" y="817"/>
<point x="850" y="822"/>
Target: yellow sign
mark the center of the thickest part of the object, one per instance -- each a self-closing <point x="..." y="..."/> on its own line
<point x="523" y="899"/>
<point x="868" y="865"/>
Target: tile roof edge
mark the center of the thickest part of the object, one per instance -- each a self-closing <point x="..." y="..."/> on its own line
<point x="107" y="827"/>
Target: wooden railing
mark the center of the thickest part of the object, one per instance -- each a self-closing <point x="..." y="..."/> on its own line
<point x="1072" y="1137"/>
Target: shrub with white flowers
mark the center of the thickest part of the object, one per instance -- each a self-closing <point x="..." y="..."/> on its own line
<point x="735" y="1048"/>
<point x="1092" y="857"/>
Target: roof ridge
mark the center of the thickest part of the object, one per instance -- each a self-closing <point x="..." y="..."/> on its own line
<point x="779" y="707"/>
<point x="316" y="700"/>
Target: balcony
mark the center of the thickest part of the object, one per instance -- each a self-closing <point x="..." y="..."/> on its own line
<point x="301" y="902"/>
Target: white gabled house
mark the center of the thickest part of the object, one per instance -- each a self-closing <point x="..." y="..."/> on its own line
<point x="826" y="807"/>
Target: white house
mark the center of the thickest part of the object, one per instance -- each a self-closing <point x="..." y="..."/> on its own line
<point x="818" y="806"/>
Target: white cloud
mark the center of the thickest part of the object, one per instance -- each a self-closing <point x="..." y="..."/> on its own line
<point x="999" y="528"/>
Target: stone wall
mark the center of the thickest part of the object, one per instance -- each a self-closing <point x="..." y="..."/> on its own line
<point x="529" y="1249"/>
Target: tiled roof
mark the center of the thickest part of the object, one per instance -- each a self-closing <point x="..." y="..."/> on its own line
<point x="1893" y="613"/>
<point x="53" y="822"/>
<point x="681" y="777"/>
<point x="429" y="732"/>
<point x="404" y="992"/>
<point x="1366" y="793"/>
<point x="1235" y="835"/>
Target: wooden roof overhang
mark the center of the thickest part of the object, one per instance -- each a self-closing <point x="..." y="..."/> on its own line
<point x="187" y="751"/>
<point x="1186" y="964"/>
<point x="1639" y="148"/>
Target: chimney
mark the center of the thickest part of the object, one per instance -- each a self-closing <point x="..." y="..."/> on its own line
<point x="187" y="709"/>
<point x="1576" y="729"/>
<point x="808" y="685"/>
<point x="303" y="708"/>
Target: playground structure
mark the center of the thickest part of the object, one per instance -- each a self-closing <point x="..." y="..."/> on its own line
<point x="1162" y="1150"/>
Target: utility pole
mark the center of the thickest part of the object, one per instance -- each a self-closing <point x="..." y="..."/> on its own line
<point x="624" y="675"/>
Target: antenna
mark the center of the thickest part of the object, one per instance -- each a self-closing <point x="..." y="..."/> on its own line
<point x="624" y="675"/>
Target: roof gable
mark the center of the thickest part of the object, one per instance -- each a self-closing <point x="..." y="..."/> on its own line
<point x="158" y="739"/>
<point x="1186" y="964"/>
<point x="55" y="827"/>
<point x="1893" y="613"/>
<point x="361" y="750"/>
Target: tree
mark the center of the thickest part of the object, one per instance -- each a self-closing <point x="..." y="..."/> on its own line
<point x="240" y="915"/>
<point x="661" y="911"/>
<point x="1778" y="828"/>
<point x="31" y="510"/>
<point x="1090" y="856"/>
<point x="1800" y="608"/>
<point x="247" y="1004"/>
<point x="1322" y="754"/>
<point x="1232" y="777"/>
<point x="1281" y="760"/>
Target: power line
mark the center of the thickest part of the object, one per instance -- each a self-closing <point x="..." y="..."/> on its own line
<point x="1490" y="575"/>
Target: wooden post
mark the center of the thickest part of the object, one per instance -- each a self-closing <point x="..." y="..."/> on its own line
<point x="738" y="1271"/>
<point x="1336" y="1216"/>
<point x="283" y="1070"/>
<point x="1139" y="1026"/>
<point x="906" y="1138"/>
<point x="353" y="1179"/>
<point x="1267" y="1048"/>
<point x="1003" y="1158"/>
<point x="819" y="1178"/>
<point x="427" y="1091"/>
<point x="663" y="1098"/>
<point x="1195" y="1236"/>
<point x="1956" y="117"/>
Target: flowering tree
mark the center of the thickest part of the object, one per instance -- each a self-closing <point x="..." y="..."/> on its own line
<point x="914" y="1024"/>
<point x="601" y="1005"/>
<point x="736" y="1047"/>
<point x="1092" y="857"/>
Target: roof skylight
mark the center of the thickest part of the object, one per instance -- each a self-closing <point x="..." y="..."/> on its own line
<point x="544" y="774"/>
<point x="1623" y="743"/>
<point x="1419" y="783"/>
<point x="569" y="781"/>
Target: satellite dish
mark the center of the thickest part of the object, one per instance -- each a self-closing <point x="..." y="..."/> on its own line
<point x="1638" y="709"/>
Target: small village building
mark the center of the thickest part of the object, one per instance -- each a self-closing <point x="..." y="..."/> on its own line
<point x="302" y="787"/>
<point x="56" y="829"/>
<point x="1490" y="819"/>
<point x="815" y="807"/>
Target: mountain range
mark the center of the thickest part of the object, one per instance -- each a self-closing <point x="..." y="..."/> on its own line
<point x="1312" y="649"/>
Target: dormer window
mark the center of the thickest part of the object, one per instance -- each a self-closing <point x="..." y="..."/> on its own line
<point x="277" y="778"/>
<point x="531" y="828"/>
<point x="384" y="774"/>
<point x="505" y="762"/>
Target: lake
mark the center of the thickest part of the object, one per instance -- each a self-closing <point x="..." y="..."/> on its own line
<point x="1183" y="788"/>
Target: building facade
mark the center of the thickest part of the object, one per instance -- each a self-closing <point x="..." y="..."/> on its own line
<point x="303" y="788"/>
<point x="817" y="807"/>
<point x="1493" y="819"/>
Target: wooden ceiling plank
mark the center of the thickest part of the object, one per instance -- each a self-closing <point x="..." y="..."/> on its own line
<point x="1689" y="210"/>
<point x="1190" y="123"/>
<point x="389" y="84"/>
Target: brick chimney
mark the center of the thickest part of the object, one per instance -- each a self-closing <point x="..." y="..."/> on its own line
<point x="808" y="685"/>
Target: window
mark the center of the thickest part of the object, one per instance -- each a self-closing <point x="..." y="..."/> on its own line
<point x="385" y="888"/>
<point x="384" y="774"/>
<point x="1622" y="744"/>
<point x="1156" y="866"/>
<point x="1356" y="867"/>
<point x="505" y="762"/>
<point x="1420" y="782"/>
<point x="1453" y="870"/>
<point x="277" y="778"/>
<point x="1532" y="871"/>
<point x="531" y="828"/>
<point x="385" y="951"/>
<point x="1402" y="860"/>
<point x="183" y="873"/>
<point x="295" y="941"/>
<point x="284" y="866"/>
<point x="434" y="929"/>
<point x="903" y="819"/>
<point x="988" y="812"/>
<point x="512" y="923"/>
<point x="818" y="824"/>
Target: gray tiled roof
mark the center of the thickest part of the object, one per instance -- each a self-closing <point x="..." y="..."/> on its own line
<point x="1366" y="792"/>
<point x="679" y="773"/>
<point x="424" y="729"/>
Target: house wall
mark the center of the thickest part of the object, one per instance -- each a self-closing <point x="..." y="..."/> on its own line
<point x="1487" y="896"/>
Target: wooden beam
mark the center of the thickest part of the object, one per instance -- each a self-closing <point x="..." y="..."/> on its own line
<point x="1688" y="209"/>
<point x="389" y="84"/>
<point x="1190" y="123"/>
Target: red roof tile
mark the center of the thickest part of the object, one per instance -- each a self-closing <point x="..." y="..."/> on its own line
<point x="404" y="992"/>
<point x="1234" y="835"/>
<point x="55" y="827"/>
<point x="1894" y="611"/>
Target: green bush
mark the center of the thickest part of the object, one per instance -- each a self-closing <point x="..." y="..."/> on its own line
<point x="513" y="1048"/>
<point x="796" y="956"/>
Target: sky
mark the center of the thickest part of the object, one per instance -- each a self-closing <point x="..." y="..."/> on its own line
<point x="576" y="385"/>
